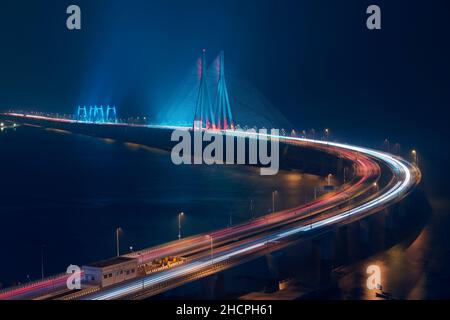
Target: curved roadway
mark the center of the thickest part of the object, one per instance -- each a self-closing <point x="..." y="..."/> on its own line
<point x="231" y="246"/>
<point x="213" y="252"/>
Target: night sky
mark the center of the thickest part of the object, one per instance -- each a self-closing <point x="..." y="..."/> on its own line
<point x="315" y="61"/>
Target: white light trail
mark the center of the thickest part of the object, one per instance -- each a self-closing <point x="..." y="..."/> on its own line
<point x="400" y="170"/>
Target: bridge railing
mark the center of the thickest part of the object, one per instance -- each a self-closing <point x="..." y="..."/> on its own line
<point x="33" y="284"/>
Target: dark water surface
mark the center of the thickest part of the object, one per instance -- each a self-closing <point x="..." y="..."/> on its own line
<point x="67" y="193"/>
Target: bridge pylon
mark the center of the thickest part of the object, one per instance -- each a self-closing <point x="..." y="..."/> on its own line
<point x="99" y="115"/>
<point x="222" y="107"/>
<point x="92" y="113"/>
<point x="82" y="114"/>
<point x="204" y="116"/>
<point x="111" y="114"/>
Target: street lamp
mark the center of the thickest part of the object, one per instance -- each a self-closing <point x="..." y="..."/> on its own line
<point x="118" y="230"/>
<point x="42" y="262"/>
<point x="329" y="179"/>
<point x="415" y="157"/>
<point x="181" y="214"/>
<point x="327" y="133"/>
<point x="273" y="200"/>
<point x="387" y="145"/>
<point x="211" y="245"/>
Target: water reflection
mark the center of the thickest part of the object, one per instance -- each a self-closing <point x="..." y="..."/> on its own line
<point x="69" y="192"/>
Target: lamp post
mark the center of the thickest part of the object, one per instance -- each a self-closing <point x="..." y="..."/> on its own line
<point x="273" y="200"/>
<point x="118" y="230"/>
<point x="329" y="179"/>
<point x="387" y="145"/>
<point x="42" y="262"/>
<point x="181" y="214"/>
<point x="415" y="157"/>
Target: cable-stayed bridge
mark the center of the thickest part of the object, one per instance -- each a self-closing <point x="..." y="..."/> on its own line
<point x="379" y="181"/>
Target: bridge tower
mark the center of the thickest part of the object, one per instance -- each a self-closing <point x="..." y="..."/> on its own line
<point x="203" y="117"/>
<point x="222" y="108"/>
<point x="111" y="114"/>
<point x="96" y="114"/>
<point x="91" y="117"/>
<point x="82" y="114"/>
<point x="99" y="115"/>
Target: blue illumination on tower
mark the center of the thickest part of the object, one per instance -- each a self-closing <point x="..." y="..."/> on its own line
<point x="96" y="114"/>
<point x="99" y="115"/>
<point x="111" y="114"/>
<point x="222" y="108"/>
<point x="203" y="117"/>
<point x="82" y="114"/>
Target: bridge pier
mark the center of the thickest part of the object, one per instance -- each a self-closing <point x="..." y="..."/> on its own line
<point x="213" y="286"/>
<point x="323" y="252"/>
<point x="364" y="232"/>
<point x="390" y="221"/>
<point x="340" y="168"/>
<point x="341" y="245"/>
<point x="273" y="260"/>
<point x="209" y="286"/>
<point x="273" y="264"/>
<point x="350" y="242"/>
<point x="379" y="230"/>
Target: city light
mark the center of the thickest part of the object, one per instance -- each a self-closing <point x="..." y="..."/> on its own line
<point x="180" y="215"/>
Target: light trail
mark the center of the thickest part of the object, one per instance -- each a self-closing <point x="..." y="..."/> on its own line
<point x="405" y="177"/>
<point x="400" y="170"/>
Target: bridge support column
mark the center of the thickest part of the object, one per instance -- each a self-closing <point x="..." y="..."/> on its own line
<point x="340" y="168"/>
<point x="390" y="224"/>
<point x="341" y="248"/>
<point x="372" y="233"/>
<point x="323" y="251"/>
<point x="353" y="242"/>
<point x="209" y="286"/>
<point x="273" y="265"/>
<point x="379" y="230"/>
<point x="273" y="261"/>
<point x="220" y="288"/>
<point x="364" y="238"/>
<point x="389" y="218"/>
